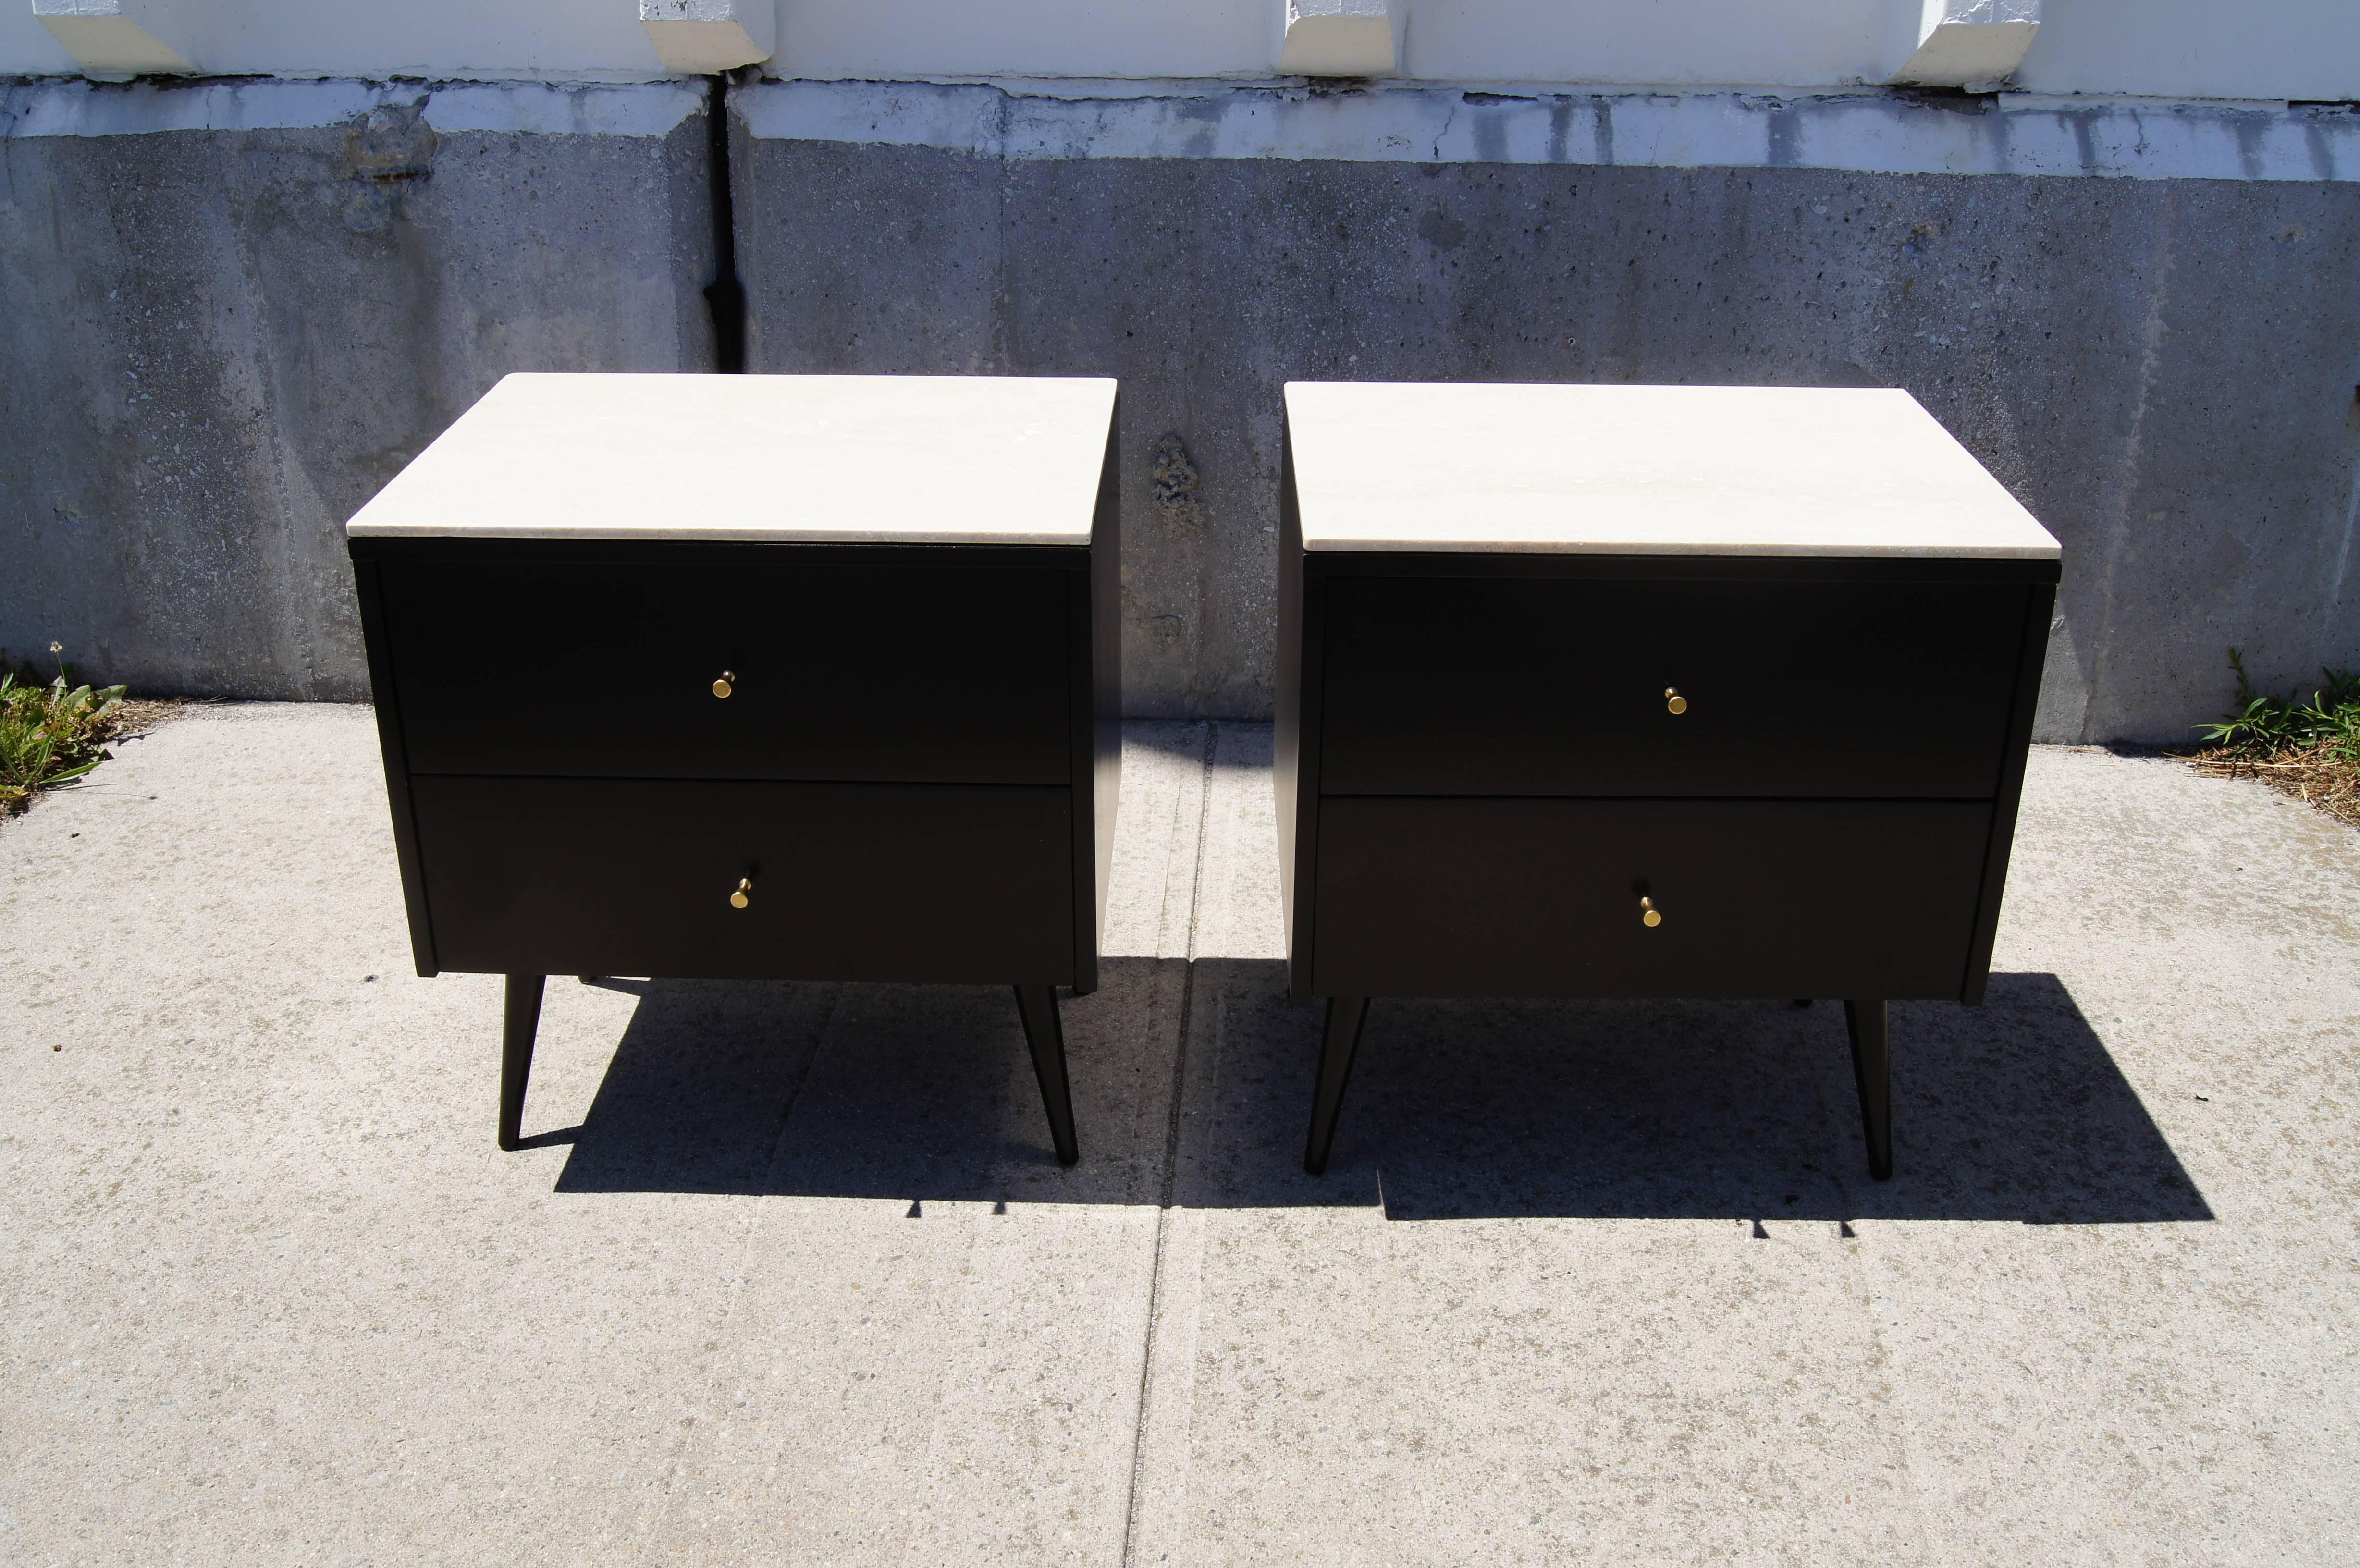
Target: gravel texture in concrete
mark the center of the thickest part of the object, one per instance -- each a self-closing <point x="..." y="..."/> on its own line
<point x="788" y="1274"/>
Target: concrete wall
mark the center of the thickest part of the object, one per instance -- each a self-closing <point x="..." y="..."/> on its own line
<point x="2202" y="48"/>
<point x="2164" y="370"/>
<point x="229" y="325"/>
<point x="219" y="342"/>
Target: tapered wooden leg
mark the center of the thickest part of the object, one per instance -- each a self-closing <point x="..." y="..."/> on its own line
<point x="1872" y="1069"/>
<point x="523" y="1021"/>
<point x="1338" y="1045"/>
<point x="1046" y="1036"/>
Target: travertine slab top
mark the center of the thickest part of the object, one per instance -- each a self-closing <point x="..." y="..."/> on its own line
<point x="844" y="458"/>
<point x="1622" y="470"/>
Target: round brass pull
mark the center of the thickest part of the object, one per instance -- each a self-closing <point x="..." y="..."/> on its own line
<point x="727" y="683"/>
<point x="1674" y="700"/>
<point x="742" y="897"/>
<point x="1650" y="916"/>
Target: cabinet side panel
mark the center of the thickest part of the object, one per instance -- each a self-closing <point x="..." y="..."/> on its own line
<point x="377" y="640"/>
<point x="1104" y="608"/>
<point x="1081" y="698"/>
<point x="1296" y="771"/>
<point x="2039" y="602"/>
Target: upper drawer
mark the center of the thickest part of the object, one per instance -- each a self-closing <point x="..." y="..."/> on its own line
<point x="841" y="671"/>
<point x="1538" y="686"/>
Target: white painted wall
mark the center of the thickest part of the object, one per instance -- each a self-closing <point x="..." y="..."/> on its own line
<point x="2179" y="49"/>
<point x="2198" y="48"/>
<point x="581" y="40"/>
<point x="25" y="47"/>
<point x="1675" y="42"/>
<point x="898" y="40"/>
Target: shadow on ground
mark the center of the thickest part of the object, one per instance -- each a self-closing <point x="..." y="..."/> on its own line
<point x="1459" y="1109"/>
<point x="900" y="1092"/>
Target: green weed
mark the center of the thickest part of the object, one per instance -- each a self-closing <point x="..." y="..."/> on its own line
<point x="2267" y="727"/>
<point x="49" y="734"/>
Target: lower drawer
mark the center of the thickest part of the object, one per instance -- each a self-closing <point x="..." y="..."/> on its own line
<point x="1538" y="898"/>
<point x="965" y="882"/>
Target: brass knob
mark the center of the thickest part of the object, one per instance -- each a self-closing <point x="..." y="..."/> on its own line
<point x="740" y="898"/>
<point x="1674" y="700"/>
<point x="728" y="681"/>
<point x="1650" y="916"/>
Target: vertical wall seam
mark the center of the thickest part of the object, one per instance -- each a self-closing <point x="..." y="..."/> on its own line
<point x="724" y="297"/>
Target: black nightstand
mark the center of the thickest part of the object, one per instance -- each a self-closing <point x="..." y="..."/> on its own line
<point x="793" y="678"/>
<point x="1646" y="691"/>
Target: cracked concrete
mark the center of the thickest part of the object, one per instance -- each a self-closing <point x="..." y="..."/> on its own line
<point x="788" y="1274"/>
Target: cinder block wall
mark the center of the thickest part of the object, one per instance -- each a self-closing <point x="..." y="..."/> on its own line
<point x="223" y="341"/>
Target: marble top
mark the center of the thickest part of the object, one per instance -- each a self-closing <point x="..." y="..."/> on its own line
<point x="1625" y="470"/>
<point x="845" y="459"/>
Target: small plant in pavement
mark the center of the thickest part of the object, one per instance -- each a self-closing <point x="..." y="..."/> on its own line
<point x="2309" y="750"/>
<point x="49" y="734"/>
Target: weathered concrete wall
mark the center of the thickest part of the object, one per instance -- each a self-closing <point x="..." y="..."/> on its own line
<point x="2163" y="370"/>
<point x="221" y="338"/>
<point x="218" y="343"/>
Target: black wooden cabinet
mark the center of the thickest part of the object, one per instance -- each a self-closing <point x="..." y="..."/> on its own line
<point x="813" y="705"/>
<point x="1646" y="691"/>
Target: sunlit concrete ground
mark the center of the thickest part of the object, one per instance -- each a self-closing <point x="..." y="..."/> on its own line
<point x="788" y="1275"/>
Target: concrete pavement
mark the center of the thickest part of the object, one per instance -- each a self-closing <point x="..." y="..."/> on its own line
<point x="788" y="1274"/>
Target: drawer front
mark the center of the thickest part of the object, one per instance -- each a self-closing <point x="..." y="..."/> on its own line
<point x="1522" y="686"/>
<point x="932" y="674"/>
<point x="851" y="882"/>
<point x="1542" y="897"/>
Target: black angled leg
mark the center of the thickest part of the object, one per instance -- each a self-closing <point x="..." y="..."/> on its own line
<point x="1337" y="1045"/>
<point x="523" y="1019"/>
<point x="1046" y="1036"/>
<point x="1872" y="1069"/>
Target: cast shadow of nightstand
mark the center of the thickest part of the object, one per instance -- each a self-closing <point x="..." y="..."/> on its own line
<point x="1467" y="1109"/>
<point x="1459" y="1109"/>
<point x="908" y="1092"/>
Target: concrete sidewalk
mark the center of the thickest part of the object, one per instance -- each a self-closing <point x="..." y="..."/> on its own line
<point x="788" y="1275"/>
